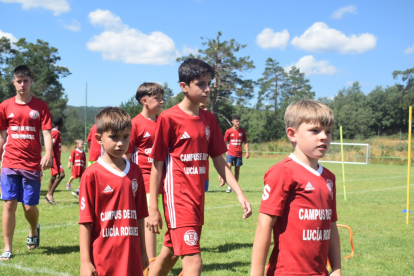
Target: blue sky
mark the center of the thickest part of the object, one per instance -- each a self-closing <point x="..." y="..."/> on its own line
<point x="117" y="45"/>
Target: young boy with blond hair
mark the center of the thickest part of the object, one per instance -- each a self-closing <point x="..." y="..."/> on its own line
<point x="299" y="201"/>
<point x="150" y="96"/>
<point x="77" y="162"/>
<point x="112" y="204"/>
<point x="185" y="137"/>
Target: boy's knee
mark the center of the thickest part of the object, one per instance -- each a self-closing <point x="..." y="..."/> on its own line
<point x="192" y="264"/>
<point x="29" y="208"/>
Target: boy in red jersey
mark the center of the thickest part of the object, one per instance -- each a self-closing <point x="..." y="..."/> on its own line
<point x="112" y="204"/>
<point x="150" y="96"/>
<point x="78" y="159"/>
<point x="95" y="150"/>
<point x="299" y="201"/>
<point x="56" y="171"/>
<point x="21" y="120"/>
<point x="185" y="137"/>
<point x="235" y="136"/>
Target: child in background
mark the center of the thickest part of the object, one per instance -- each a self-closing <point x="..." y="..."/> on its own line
<point x="77" y="162"/>
<point x="95" y="150"/>
<point x="299" y="201"/>
<point x="112" y="204"/>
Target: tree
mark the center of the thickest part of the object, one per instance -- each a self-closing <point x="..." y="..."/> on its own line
<point x="228" y="84"/>
<point x="273" y="77"/>
<point x="295" y="88"/>
<point x="73" y="128"/>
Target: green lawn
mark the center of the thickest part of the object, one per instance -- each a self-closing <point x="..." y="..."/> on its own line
<point x="376" y="195"/>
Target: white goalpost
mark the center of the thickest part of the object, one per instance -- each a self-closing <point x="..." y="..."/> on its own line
<point x="354" y="153"/>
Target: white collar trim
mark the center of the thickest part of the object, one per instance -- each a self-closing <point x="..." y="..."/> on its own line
<point x="79" y="150"/>
<point x="112" y="170"/>
<point x="309" y="168"/>
<point x="55" y="129"/>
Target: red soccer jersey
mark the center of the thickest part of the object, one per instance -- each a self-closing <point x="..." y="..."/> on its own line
<point x="304" y="200"/>
<point x="95" y="151"/>
<point x="23" y="123"/>
<point x="185" y="142"/>
<point x="78" y="158"/>
<point x="57" y="148"/>
<point x="140" y="145"/>
<point x="113" y="202"/>
<point x="235" y="138"/>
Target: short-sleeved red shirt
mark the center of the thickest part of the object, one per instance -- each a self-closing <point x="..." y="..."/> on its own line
<point x="304" y="200"/>
<point x="185" y="142"/>
<point x="140" y="145"/>
<point x="235" y="138"/>
<point x="57" y="148"/>
<point x="113" y="202"/>
<point x="78" y="158"/>
<point x="96" y="150"/>
<point x="23" y="122"/>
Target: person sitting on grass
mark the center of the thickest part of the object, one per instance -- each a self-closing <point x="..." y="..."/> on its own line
<point x="77" y="162"/>
<point x="299" y="201"/>
<point x="112" y="205"/>
<point x="22" y="118"/>
<point x="57" y="172"/>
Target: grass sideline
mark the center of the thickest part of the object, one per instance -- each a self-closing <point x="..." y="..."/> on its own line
<point x="376" y="195"/>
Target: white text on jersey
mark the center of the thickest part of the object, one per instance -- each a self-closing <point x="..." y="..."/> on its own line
<point x="315" y="214"/>
<point x="193" y="156"/>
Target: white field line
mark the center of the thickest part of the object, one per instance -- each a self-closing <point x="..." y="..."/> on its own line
<point x="41" y="271"/>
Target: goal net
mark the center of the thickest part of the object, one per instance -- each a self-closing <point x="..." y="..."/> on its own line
<point x="354" y="153"/>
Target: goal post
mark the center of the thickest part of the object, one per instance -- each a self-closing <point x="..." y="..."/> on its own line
<point x="354" y="153"/>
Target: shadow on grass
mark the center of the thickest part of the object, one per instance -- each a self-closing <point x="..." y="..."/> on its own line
<point x="227" y="247"/>
<point x="66" y="249"/>
<point x="233" y="266"/>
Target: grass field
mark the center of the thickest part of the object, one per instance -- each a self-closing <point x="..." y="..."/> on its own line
<point x="376" y="195"/>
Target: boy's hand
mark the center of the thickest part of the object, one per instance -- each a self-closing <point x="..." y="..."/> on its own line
<point x="87" y="269"/>
<point x="46" y="162"/>
<point x="247" y="208"/>
<point x="69" y="167"/>
<point x="247" y="155"/>
<point x="144" y="260"/>
<point x="153" y="221"/>
<point x="336" y="273"/>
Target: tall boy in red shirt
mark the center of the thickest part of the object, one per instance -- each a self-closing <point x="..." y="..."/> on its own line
<point x="185" y="137"/>
<point x="21" y="120"/>
<point x="299" y="201"/>
<point x="150" y="96"/>
<point x="112" y="204"/>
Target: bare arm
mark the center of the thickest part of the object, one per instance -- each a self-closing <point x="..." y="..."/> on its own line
<point x="87" y="268"/>
<point x="3" y="136"/>
<point x="225" y="172"/>
<point x="153" y="221"/>
<point x="334" y="254"/>
<point x="261" y="243"/>
<point x="47" y="159"/>
<point x="141" y="233"/>
<point x="70" y="165"/>
<point x="246" y="147"/>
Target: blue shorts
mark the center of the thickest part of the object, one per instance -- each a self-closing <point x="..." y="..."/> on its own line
<point x="20" y="184"/>
<point x="235" y="161"/>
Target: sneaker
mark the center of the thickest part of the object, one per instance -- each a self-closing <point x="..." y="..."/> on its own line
<point x="229" y="190"/>
<point x="76" y="193"/>
<point x="67" y="186"/>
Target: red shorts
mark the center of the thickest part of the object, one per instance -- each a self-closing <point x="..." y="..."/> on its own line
<point x="184" y="241"/>
<point x="54" y="170"/>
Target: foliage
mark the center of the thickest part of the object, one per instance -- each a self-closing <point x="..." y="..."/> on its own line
<point x="73" y="128"/>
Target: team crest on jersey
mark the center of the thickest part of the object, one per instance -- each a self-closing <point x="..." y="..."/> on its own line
<point x="208" y="132"/>
<point x="34" y="114"/>
<point x="191" y="237"/>
<point x="329" y="183"/>
<point x="240" y="134"/>
<point x="134" y="186"/>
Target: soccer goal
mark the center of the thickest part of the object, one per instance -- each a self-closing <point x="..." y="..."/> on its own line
<point x="354" y="153"/>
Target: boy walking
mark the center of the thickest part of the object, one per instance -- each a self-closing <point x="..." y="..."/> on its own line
<point x="299" y="201"/>
<point x="56" y="171"/>
<point x="185" y="137"/>
<point x="112" y="204"/>
<point x="150" y="96"/>
<point x="21" y="120"/>
<point x="77" y="162"/>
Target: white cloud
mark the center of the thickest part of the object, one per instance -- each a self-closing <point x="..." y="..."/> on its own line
<point x="340" y="12"/>
<point x="73" y="26"/>
<point x="9" y="36"/>
<point x="119" y="42"/>
<point x="188" y="50"/>
<point x="270" y="39"/>
<point x="409" y="50"/>
<point x="320" y="38"/>
<point x="57" y="6"/>
<point x="310" y="66"/>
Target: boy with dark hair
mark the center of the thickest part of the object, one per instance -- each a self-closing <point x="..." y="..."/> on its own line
<point x="112" y="204"/>
<point x="185" y="137"/>
<point x="56" y="171"/>
<point x="299" y="201"/>
<point x="21" y="120"/>
<point x="235" y="136"/>
<point x="150" y="96"/>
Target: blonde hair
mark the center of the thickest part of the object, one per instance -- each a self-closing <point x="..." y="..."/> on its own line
<point x="308" y="111"/>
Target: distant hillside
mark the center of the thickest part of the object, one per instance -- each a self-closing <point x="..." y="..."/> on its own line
<point x="80" y="111"/>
